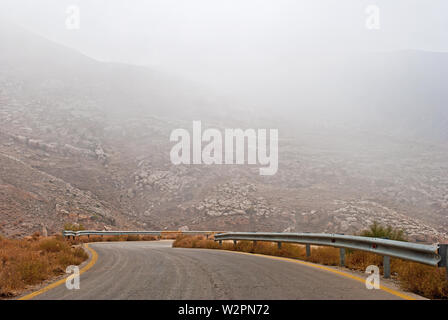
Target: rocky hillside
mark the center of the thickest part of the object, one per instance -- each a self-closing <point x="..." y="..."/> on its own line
<point x="88" y="142"/>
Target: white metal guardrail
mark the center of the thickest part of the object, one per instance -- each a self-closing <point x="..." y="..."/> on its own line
<point x="433" y="255"/>
<point x="69" y="233"/>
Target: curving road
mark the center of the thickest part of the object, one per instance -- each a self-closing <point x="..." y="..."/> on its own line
<point x="154" y="270"/>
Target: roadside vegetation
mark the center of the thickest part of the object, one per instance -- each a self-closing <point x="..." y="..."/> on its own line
<point x="73" y="227"/>
<point x="377" y="230"/>
<point x="424" y="280"/>
<point x="31" y="261"/>
<point x="132" y="237"/>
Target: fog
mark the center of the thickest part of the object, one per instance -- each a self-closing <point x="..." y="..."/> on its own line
<point x="313" y="61"/>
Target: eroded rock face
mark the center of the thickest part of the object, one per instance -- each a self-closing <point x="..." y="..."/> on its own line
<point x="172" y="180"/>
<point x="40" y="202"/>
<point x="234" y="198"/>
<point x="54" y="147"/>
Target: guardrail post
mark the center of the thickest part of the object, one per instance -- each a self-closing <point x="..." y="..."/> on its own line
<point x="255" y="243"/>
<point x="279" y="245"/>
<point x="308" y="250"/>
<point x="234" y="243"/>
<point x="220" y="243"/>
<point x="386" y="267"/>
<point x="342" y="257"/>
<point x="206" y="236"/>
<point x="443" y="252"/>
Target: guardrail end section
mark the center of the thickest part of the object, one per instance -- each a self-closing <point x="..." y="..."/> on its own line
<point x="443" y="253"/>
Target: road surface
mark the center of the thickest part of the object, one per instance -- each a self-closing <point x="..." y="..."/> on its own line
<point x="154" y="270"/>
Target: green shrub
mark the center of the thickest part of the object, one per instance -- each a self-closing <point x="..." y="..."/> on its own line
<point x="376" y="230"/>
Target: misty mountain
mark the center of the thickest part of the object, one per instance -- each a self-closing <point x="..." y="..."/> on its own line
<point x="399" y="92"/>
<point x="44" y="68"/>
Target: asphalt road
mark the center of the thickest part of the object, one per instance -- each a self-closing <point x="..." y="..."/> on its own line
<point x="154" y="270"/>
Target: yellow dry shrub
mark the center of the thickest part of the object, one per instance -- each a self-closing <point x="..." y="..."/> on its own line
<point x="29" y="262"/>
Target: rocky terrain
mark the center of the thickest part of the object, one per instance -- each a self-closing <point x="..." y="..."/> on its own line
<point x="60" y="166"/>
<point x="70" y="156"/>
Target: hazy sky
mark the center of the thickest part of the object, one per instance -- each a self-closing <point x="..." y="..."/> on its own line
<point x="201" y="38"/>
<point x="180" y="31"/>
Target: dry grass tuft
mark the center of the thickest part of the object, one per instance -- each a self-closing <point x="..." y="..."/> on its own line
<point x="421" y="279"/>
<point x="170" y="235"/>
<point x="325" y="255"/>
<point x="148" y="238"/>
<point x="133" y="237"/>
<point x="30" y="261"/>
<point x="360" y="260"/>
